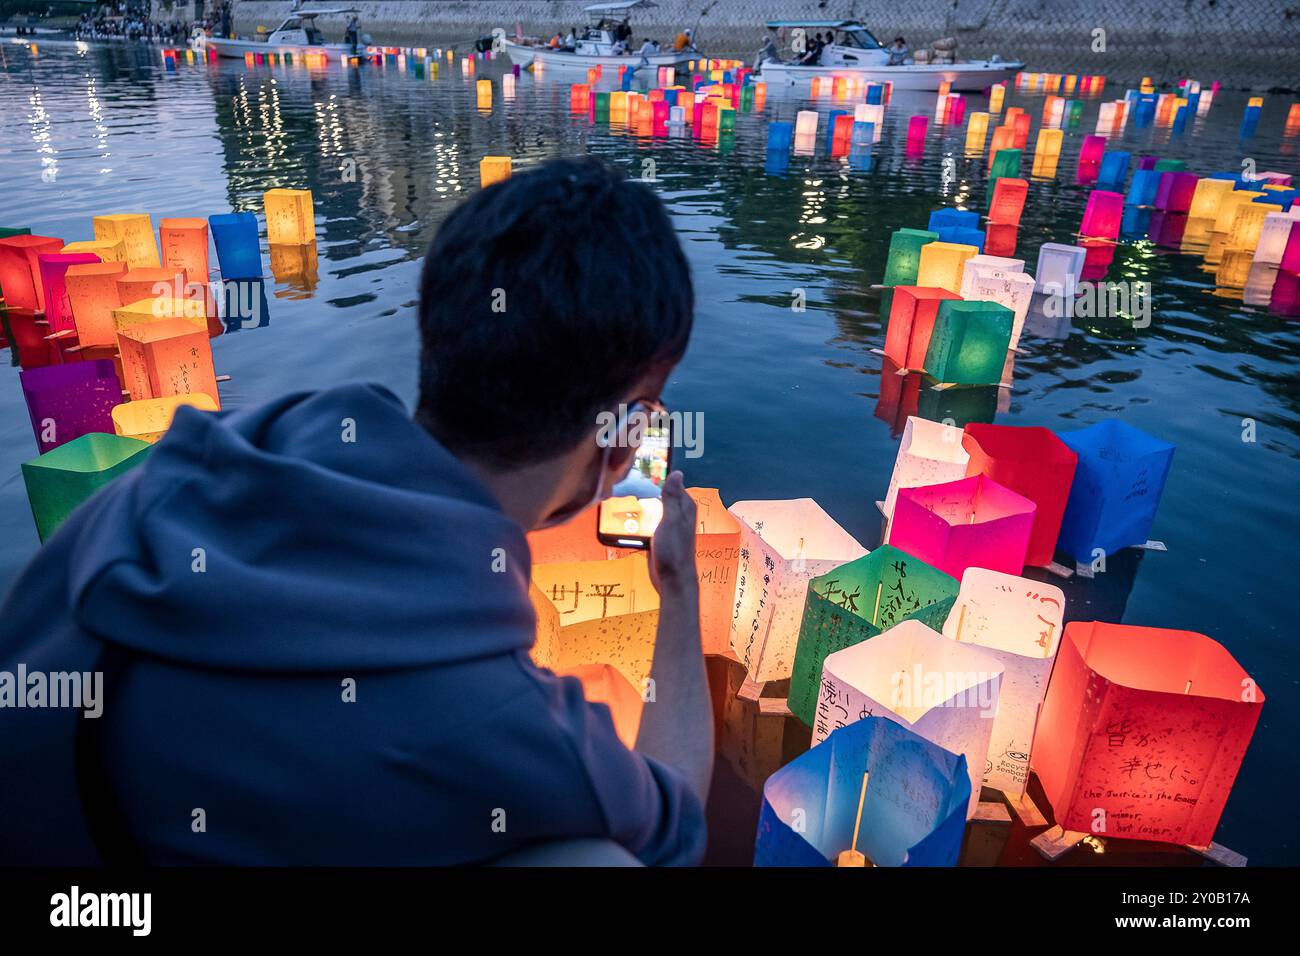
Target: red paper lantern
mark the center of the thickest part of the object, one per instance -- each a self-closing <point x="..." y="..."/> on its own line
<point x="1032" y="462"/>
<point x="20" y="270"/>
<point x="1142" y="732"/>
<point x="1008" y="202"/>
<point x="911" y="321"/>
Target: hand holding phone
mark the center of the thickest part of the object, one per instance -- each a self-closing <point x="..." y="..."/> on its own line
<point x="629" y="517"/>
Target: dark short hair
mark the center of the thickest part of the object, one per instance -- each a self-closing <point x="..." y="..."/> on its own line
<point x="596" y="291"/>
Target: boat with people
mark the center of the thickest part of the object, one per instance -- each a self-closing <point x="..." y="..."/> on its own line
<point x="853" y="51"/>
<point x="606" y="41"/>
<point x="297" y="34"/>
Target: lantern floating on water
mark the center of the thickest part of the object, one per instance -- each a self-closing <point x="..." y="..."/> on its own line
<point x="92" y="296"/>
<point x="1008" y="201"/>
<point x="135" y="285"/>
<point x="184" y="247"/>
<point x="1059" y="268"/>
<point x="493" y="169"/>
<point x="973" y="522"/>
<point x="1143" y="731"/>
<point x="930" y="453"/>
<point x="20" y="271"/>
<point x="53" y="269"/>
<point x="61" y="479"/>
<point x="855" y="602"/>
<point x="717" y="554"/>
<point x="238" y="253"/>
<point x="483" y="90"/>
<point x="916" y="129"/>
<point x="977" y="128"/>
<point x="912" y="315"/>
<point x="997" y="93"/>
<point x="783" y="545"/>
<point x="1274" y="234"/>
<point x="107" y="251"/>
<point x="1009" y="287"/>
<point x="290" y="218"/>
<point x="67" y="401"/>
<point x="148" y="419"/>
<point x="1116" y="490"/>
<point x="158" y="309"/>
<point x="942" y="690"/>
<point x="904" y="259"/>
<point x="135" y="231"/>
<point x="911" y="813"/>
<point x="168" y="357"/>
<point x="968" y="345"/>
<point x="941" y="263"/>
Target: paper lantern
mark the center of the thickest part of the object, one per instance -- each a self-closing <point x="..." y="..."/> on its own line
<point x="1274" y="234"/>
<point x="1143" y="731"/>
<point x="484" y="94"/>
<point x="1117" y="485"/>
<point x="977" y="129"/>
<point x="53" y="268"/>
<point x="493" y="169"/>
<point x="135" y="231"/>
<point x="1003" y="138"/>
<point x="916" y="129"/>
<point x="1019" y="622"/>
<point x="939" y="689"/>
<point x="61" y="479"/>
<point x="290" y="218"/>
<point x="1102" y="215"/>
<point x="855" y="602"/>
<point x="604" y="684"/>
<point x="148" y="420"/>
<point x="1008" y="200"/>
<point x="137" y="284"/>
<point x="974" y="522"/>
<point x="596" y="612"/>
<point x="904" y="258"/>
<point x="1059" y="268"/>
<point x="184" y="247"/>
<point x="912" y="314"/>
<point x="1006" y="162"/>
<point x="158" y="309"/>
<point x="873" y="113"/>
<point x="67" y="401"/>
<point x="168" y="357"/>
<point x="20" y="272"/>
<point x="941" y="263"/>
<point x="1012" y="289"/>
<point x="717" y="554"/>
<point x="238" y="253"/>
<point x="92" y="297"/>
<point x="783" y="545"/>
<point x="107" y="251"/>
<point x="968" y="345"/>
<point x="997" y="93"/>
<point x="913" y="807"/>
<point x="930" y="453"/>
<point x="1032" y="462"/>
<point x="1000" y="238"/>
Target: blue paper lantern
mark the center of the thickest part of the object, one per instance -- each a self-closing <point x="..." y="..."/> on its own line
<point x="1117" y="486"/>
<point x="860" y="143"/>
<point x="946" y="218"/>
<point x="238" y="253"/>
<point x="780" y="134"/>
<point x="914" y="813"/>
<point x="1142" y="190"/>
<point x="1114" y="168"/>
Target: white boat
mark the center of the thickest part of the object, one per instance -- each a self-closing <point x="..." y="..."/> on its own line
<point x="856" y="53"/>
<point x="596" y="45"/>
<point x="297" y="34"/>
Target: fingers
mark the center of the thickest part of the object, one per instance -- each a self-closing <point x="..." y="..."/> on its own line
<point x="678" y="505"/>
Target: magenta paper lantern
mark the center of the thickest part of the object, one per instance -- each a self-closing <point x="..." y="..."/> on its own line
<point x="1090" y="153"/>
<point x="1102" y="216"/>
<point x="68" y="401"/>
<point x="916" y="128"/>
<point x="58" y="309"/>
<point x="971" y="523"/>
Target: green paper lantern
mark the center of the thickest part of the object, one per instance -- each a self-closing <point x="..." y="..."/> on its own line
<point x="857" y="601"/>
<point x="602" y="105"/>
<point x="66" y="476"/>
<point x="7" y="231"/>
<point x="1074" y="113"/>
<point x="905" y="255"/>
<point x="1006" y="162"/>
<point x="969" y="343"/>
<point x="747" y="97"/>
<point x="1170" y="166"/>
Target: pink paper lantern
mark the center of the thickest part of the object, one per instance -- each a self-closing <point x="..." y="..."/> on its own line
<point x="971" y="523"/>
<point x="916" y="128"/>
<point x="58" y="308"/>
<point x="1102" y="216"/>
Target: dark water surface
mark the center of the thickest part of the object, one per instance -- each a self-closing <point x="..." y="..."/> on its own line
<point x="789" y="398"/>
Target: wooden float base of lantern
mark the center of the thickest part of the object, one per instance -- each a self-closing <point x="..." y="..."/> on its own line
<point x="1026" y="810"/>
<point x="1219" y="854"/>
<point x="986" y="834"/>
<point x="1056" y="842"/>
<point x="1084" y="569"/>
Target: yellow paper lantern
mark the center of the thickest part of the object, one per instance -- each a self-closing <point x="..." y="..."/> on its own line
<point x="942" y="264"/>
<point x="149" y="418"/>
<point x="158" y="309"/>
<point x="135" y="231"/>
<point x="977" y="129"/>
<point x="290" y="218"/>
<point x="107" y="251"/>
<point x="997" y="94"/>
<point x="484" y="92"/>
<point x="1047" y="152"/>
<point x="493" y="169"/>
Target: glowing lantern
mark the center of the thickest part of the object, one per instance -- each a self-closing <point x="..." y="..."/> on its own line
<point x="911" y="321"/>
<point x="1143" y="731"/>
<point x="238" y="252"/>
<point x="1114" y="168"/>
<point x="1274" y="234"/>
<point x="941" y="264"/>
<point x="1011" y="288"/>
<point x="717" y="553"/>
<point x="930" y="453"/>
<point x="857" y="601"/>
<point x="53" y="269"/>
<point x="805" y="123"/>
<point x="997" y="93"/>
<point x="1047" y="153"/>
<point x="783" y="545"/>
<point x="61" y="479"/>
<point x="135" y="231"/>
<point x="596" y="612"/>
<point x="1059" y="268"/>
<point x="1003" y="138"/>
<point x="977" y="129"/>
<point x="1117" y="485"/>
<point x="137" y="284"/>
<point x="1008" y="201"/>
<point x="148" y="420"/>
<point x="968" y="345"/>
<point x="579" y="97"/>
<point x="942" y="690"/>
<point x="871" y="113"/>
<point x="1102" y="215"/>
<point x="904" y="258"/>
<point x="184" y="246"/>
<point x="1006" y="162"/>
<point x="1020" y="128"/>
<point x="107" y="251"/>
<point x="508" y="86"/>
<point x="67" y="401"/>
<point x="92" y="297"/>
<point x="873" y="787"/>
<point x="484" y="93"/>
<point x="20" y="271"/>
<point x="290" y="218"/>
<point x="158" y="309"/>
<point x="604" y="684"/>
<point x="973" y="522"/>
<point x="916" y="128"/>
<point x="168" y="357"/>
<point x="494" y="169"/>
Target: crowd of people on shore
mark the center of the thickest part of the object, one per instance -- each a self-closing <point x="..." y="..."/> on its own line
<point x="131" y="28"/>
<point x="623" y="42"/>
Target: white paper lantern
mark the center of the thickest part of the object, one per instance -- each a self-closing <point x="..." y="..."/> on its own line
<point x="1015" y="290"/>
<point x="783" y="545"/>
<point x="1019" y="621"/>
<point x="1059" y="268"/>
<point x="982" y="265"/>
<point x="1274" y="234"/>
<point x="805" y="123"/>
<point x="930" y="453"/>
<point x="944" y="691"/>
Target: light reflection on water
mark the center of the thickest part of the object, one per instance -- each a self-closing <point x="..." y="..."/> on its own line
<point x="790" y="398"/>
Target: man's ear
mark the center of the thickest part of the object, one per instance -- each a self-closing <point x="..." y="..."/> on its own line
<point x="620" y="459"/>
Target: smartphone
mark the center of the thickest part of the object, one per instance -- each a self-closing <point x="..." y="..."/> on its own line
<point x="629" y="517"/>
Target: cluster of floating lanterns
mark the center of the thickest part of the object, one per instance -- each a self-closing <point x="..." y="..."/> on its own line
<point x="113" y="333"/>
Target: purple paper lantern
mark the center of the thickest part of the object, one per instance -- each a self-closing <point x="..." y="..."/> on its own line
<point x="68" y="401"/>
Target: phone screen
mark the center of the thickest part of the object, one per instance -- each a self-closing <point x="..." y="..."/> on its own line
<point x="629" y="517"/>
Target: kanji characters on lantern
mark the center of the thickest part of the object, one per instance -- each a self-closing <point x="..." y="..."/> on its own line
<point x="290" y="217"/>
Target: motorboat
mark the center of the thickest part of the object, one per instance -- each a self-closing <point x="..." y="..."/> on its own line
<point x="297" y="34"/>
<point x="855" y="52"/>
<point x="597" y="44"/>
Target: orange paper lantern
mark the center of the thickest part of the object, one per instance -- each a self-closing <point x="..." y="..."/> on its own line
<point x="717" y="553"/>
<point x="20" y="271"/>
<point x="93" y="295"/>
<point x="171" y="357"/>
